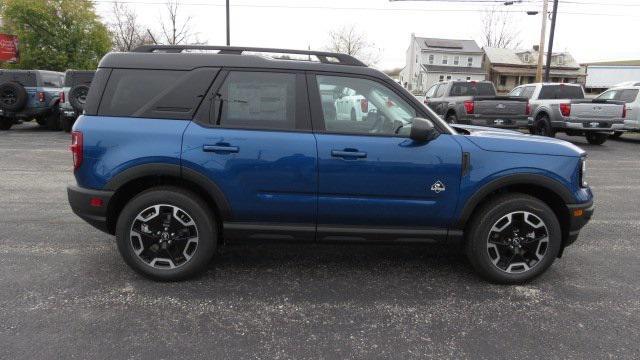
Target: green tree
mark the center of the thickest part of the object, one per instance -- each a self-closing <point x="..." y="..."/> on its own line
<point x="56" y="34"/>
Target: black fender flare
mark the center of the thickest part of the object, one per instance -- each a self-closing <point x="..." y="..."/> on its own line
<point x="175" y="171"/>
<point x="53" y="102"/>
<point x="508" y="180"/>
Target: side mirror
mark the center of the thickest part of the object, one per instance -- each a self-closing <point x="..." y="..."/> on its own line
<point x="422" y="130"/>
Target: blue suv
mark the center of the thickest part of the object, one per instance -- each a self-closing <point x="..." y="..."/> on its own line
<point x="182" y="149"/>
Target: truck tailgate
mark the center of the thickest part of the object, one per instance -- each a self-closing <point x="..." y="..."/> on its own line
<point x="596" y="110"/>
<point x="500" y="107"/>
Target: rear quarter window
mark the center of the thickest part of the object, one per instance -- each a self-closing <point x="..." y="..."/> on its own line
<point x="157" y="94"/>
<point x="628" y="95"/>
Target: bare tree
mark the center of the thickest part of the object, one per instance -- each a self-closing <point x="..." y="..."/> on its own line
<point x="126" y="31"/>
<point x="499" y="30"/>
<point x="177" y="30"/>
<point x="348" y="40"/>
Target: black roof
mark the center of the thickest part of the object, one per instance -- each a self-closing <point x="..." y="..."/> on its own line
<point x="175" y="58"/>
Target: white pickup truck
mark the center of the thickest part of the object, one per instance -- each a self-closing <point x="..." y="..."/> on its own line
<point x="557" y="107"/>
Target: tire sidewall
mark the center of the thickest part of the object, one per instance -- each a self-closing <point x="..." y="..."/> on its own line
<point x="200" y="213"/>
<point x="452" y="119"/>
<point x="20" y="94"/>
<point x="489" y="215"/>
<point x="73" y="97"/>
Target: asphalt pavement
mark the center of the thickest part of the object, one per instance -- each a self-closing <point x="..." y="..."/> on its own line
<point x="65" y="292"/>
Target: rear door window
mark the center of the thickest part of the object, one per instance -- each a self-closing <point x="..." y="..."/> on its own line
<point x="440" y="90"/>
<point x="259" y="100"/>
<point x="528" y="91"/>
<point x="516" y="92"/>
<point x="472" y="89"/>
<point x="551" y="92"/>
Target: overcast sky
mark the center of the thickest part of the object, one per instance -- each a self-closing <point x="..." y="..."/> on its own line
<point x="591" y="30"/>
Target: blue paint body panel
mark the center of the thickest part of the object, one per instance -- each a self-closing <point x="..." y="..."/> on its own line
<point x="115" y="144"/>
<point x="391" y="186"/>
<point x="271" y="178"/>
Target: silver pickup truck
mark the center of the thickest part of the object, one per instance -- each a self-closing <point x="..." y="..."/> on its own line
<point x="476" y="103"/>
<point x="563" y="108"/>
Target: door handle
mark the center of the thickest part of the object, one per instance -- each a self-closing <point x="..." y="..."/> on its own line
<point x="348" y="153"/>
<point x="220" y="148"/>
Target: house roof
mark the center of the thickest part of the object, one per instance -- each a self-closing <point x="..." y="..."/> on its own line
<point x="531" y="71"/>
<point x="449" y="45"/>
<point x="615" y="63"/>
<point x="501" y="56"/>
<point x="452" y="69"/>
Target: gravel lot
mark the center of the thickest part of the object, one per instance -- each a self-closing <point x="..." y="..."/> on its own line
<point x="65" y="293"/>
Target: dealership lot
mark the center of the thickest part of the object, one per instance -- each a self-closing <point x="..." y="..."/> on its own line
<point x="65" y="292"/>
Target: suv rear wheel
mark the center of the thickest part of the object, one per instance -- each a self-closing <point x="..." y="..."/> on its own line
<point x="542" y="127"/>
<point x="513" y="238"/>
<point x="167" y="234"/>
<point x="5" y="123"/>
<point x="595" y="138"/>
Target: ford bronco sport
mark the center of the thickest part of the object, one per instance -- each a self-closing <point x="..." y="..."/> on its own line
<point x="30" y="94"/>
<point x="180" y="151"/>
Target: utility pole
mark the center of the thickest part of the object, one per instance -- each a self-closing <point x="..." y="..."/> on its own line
<point x="543" y="33"/>
<point x="229" y="26"/>
<point x="554" y="15"/>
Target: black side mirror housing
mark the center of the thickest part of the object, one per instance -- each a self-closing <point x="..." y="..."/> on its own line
<point x="422" y="130"/>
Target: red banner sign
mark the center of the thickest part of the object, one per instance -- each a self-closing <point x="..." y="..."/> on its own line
<point x="9" y="48"/>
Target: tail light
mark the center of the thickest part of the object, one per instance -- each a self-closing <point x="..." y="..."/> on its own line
<point x="624" y="111"/>
<point x="41" y="96"/>
<point x="62" y="96"/>
<point x="364" y="105"/>
<point x="469" y="106"/>
<point x="76" y="149"/>
<point x="527" y="110"/>
<point x="565" y="109"/>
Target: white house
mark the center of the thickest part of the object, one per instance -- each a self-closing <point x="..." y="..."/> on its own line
<point x="603" y="75"/>
<point x="429" y="60"/>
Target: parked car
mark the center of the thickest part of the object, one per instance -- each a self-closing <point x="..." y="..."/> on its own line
<point x="477" y="103"/>
<point x="29" y="94"/>
<point x="629" y="96"/>
<point x="73" y="96"/>
<point x="559" y="107"/>
<point x="180" y="152"/>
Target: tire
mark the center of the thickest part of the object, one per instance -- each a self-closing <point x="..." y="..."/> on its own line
<point x="452" y="119"/>
<point x="78" y="97"/>
<point x="542" y="127"/>
<point x="52" y="120"/>
<point x="353" y="115"/>
<point x="595" y="138"/>
<point x="5" y="124"/>
<point x="616" y="135"/>
<point x="172" y="267"/>
<point x="66" y="123"/>
<point x="490" y="258"/>
<point x="41" y="121"/>
<point x="13" y="96"/>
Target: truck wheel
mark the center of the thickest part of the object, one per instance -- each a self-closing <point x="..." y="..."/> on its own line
<point x="66" y="123"/>
<point x="13" y="96"/>
<point x="616" y="134"/>
<point x="452" y="119"/>
<point x="542" y="127"/>
<point x="595" y="138"/>
<point x="513" y="238"/>
<point x="167" y="234"/>
<point x="5" y="124"/>
<point x="52" y="120"/>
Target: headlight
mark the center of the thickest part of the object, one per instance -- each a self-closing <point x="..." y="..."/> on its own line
<point x="583" y="173"/>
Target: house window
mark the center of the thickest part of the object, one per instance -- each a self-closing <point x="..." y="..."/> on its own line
<point x="416" y="59"/>
<point x="525" y="57"/>
<point x="441" y="78"/>
<point x="448" y="77"/>
<point x="503" y="80"/>
<point x="468" y="78"/>
<point x="560" y="60"/>
<point x="431" y="59"/>
<point x="445" y="60"/>
<point x="470" y="61"/>
<point x="456" y="60"/>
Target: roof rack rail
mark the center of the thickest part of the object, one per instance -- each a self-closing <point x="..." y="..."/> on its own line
<point x="323" y="57"/>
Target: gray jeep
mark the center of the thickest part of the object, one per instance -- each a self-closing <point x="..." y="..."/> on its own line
<point x="30" y="94"/>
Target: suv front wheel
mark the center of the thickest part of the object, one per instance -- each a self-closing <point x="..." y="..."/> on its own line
<point x="167" y="234"/>
<point x="513" y="238"/>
